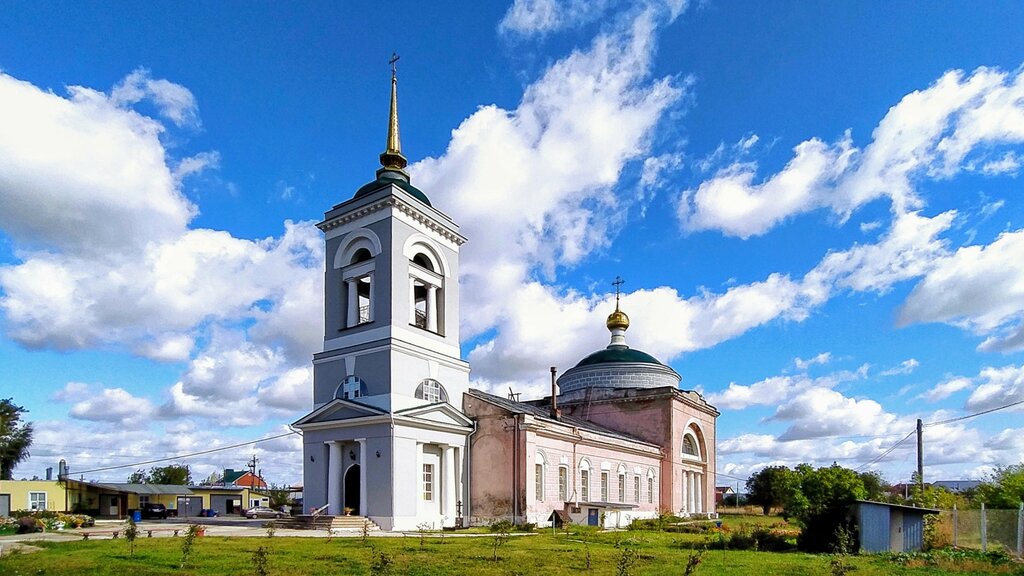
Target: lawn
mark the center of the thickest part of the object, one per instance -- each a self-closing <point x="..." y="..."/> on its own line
<point x="542" y="553"/>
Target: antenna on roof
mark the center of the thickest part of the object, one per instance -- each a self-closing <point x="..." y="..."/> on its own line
<point x="513" y="396"/>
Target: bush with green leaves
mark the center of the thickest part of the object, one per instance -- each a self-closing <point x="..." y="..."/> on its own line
<point x="500" y="530"/>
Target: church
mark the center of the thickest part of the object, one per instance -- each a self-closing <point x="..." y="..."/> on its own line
<point x="396" y="434"/>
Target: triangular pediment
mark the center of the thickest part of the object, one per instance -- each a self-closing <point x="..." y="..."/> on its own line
<point x="338" y="410"/>
<point x="442" y="412"/>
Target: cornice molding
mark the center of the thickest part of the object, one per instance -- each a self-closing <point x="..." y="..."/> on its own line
<point x="402" y="206"/>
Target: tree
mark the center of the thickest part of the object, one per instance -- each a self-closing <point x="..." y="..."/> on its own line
<point x="1005" y="488"/>
<point x="177" y="474"/>
<point x="15" y="438"/>
<point x="820" y="503"/>
<point x="770" y="487"/>
<point x="875" y="487"/>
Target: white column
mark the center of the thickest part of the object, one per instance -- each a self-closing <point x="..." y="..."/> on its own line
<point x="369" y="311"/>
<point x="692" y="502"/>
<point x="334" y="462"/>
<point x="448" y="492"/>
<point x="698" y="492"/>
<point x="412" y="301"/>
<point x="432" y="308"/>
<point x="685" y="507"/>
<point x="362" y="476"/>
<point x="353" y="303"/>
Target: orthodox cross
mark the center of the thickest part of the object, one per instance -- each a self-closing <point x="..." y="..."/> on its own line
<point x="618" y="283"/>
<point x="393" y="61"/>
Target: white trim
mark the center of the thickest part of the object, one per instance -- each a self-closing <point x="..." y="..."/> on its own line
<point x="350" y="244"/>
<point x="419" y="243"/>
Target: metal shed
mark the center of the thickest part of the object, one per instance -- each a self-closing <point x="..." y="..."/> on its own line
<point x="887" y="527"/>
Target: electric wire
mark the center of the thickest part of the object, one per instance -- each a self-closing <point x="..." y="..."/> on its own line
<point x="184" y="456"/>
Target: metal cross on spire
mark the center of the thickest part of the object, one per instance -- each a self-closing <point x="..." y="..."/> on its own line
<point x="394" y="63"/>
<point x="618" y="283"/>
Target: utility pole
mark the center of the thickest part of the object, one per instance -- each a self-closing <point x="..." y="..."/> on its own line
<point x="252" y="464"/>
<point x="920" y="457"/>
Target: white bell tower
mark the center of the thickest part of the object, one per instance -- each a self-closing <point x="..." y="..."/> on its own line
<point x="386" y="435"/>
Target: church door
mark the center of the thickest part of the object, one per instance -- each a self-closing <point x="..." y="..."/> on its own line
<point x="352" y="489"/>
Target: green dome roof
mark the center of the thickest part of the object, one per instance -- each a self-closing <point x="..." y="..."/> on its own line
<point x="618" y="355"/>
<point x="383" y="180"/>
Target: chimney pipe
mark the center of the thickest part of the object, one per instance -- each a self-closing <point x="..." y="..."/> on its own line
<point x="555" y="412"/>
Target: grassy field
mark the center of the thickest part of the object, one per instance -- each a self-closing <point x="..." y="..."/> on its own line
<point x="637" y="552"/>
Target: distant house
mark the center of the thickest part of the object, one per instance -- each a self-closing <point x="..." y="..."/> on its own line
<point x="957" y="486"/>
<point x="887" y="527"/>
<point x="240" y="478"/>
<point x="721" y="492"/>
<point x="98" y="499"/>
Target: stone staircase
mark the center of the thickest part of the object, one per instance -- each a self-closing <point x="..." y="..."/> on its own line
<point x="323" y="522"/>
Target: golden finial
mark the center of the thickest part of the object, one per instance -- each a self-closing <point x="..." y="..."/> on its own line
<point x="392" y="160"/>
<point x="617" y="320"/>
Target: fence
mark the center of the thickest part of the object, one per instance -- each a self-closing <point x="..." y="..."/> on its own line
<point x="982" y="529"/>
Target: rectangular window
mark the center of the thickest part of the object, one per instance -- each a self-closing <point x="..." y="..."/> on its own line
<point x="622" y="487"/>
<point x="650" y="489"/>
<point x="37" y="500"/>
<point x="604" y="486"/>
<point x="563" y="483"/>
<point x="585" y="485"/>
<point x="428" y="482"/>
<point x="540" y="481"/>
<point x="143" y="499"/>
<point x="636" y="489"/>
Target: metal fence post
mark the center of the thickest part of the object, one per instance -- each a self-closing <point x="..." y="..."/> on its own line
<point x="1020" y="531"/>
<point x="984" y="530"/>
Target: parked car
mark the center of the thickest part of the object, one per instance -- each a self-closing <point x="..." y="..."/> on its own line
<point x="154" y="510"/>
<point x="263" y="512"/>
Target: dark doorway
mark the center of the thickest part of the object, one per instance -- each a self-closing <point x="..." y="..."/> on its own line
<point x="352" y="489"/>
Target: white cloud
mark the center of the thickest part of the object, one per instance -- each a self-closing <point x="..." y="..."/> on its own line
<point x="998" y="387"/>
<point x="819" y="412"/>
<point x="71" y="392"/>
<point x="977" y="287"/>
<point x="114" y="405"/>
<point x="905" y="367"/>
<point x="541" y="17"/>
<point x="775" y="389"/>
<point x="930" y="132"/>
<point x="1008" y="164"/>
<point x="173" y="101"/>
<point x="946" y="389"/>
<point x="822" y="359"/>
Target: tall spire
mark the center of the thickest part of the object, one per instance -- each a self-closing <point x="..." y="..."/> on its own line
<point x="392" y="160"/>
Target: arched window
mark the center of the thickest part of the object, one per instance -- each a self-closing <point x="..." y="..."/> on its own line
<point x="622" y="483"/>
<point x="432" y="391"/>
<point x="361" y="255"/>
<point x="650" y="486"/>
<point x="563" y="483"/>
<point x="585" y="480"/>
<point x="690" y="446"/>
<point x="426" y="286"/>
<point x="351" y="388"/>
<point x="539" y="472"/>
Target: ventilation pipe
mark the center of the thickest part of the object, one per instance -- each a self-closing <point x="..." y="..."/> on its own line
<point x="555" y="412"/>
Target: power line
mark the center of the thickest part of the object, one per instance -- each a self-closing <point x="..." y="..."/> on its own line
<point x="886" y="453"/>
<point x="976" y="414"/>
<point x="183" y="456"/>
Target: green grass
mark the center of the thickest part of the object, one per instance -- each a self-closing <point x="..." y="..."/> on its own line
<point x="658" y="553"/>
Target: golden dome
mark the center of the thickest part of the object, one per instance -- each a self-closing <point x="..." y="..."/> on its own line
<point x="617" y="320"/>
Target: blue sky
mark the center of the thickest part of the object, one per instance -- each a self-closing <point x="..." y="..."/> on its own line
<point x="815" y="207"/>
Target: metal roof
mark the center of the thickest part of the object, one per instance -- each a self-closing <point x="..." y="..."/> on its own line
<point x="152" y="489"/>
<point x="545" y="414"/>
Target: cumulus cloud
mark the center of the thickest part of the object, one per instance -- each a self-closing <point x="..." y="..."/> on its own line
<point x="946" y="389"/>
<point x="774" y="389"/>
<point x="930" y="133"/>
<point x="977" y="287"/>
<point x="114" y="405"/>
<point x="997" y="387"/>
<point x="822" y="359"/>
<point x="541" y="17"/>
<point x="105" y="257"/>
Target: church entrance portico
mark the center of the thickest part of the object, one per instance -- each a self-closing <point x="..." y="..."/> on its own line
<point x="346" y="475"/>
